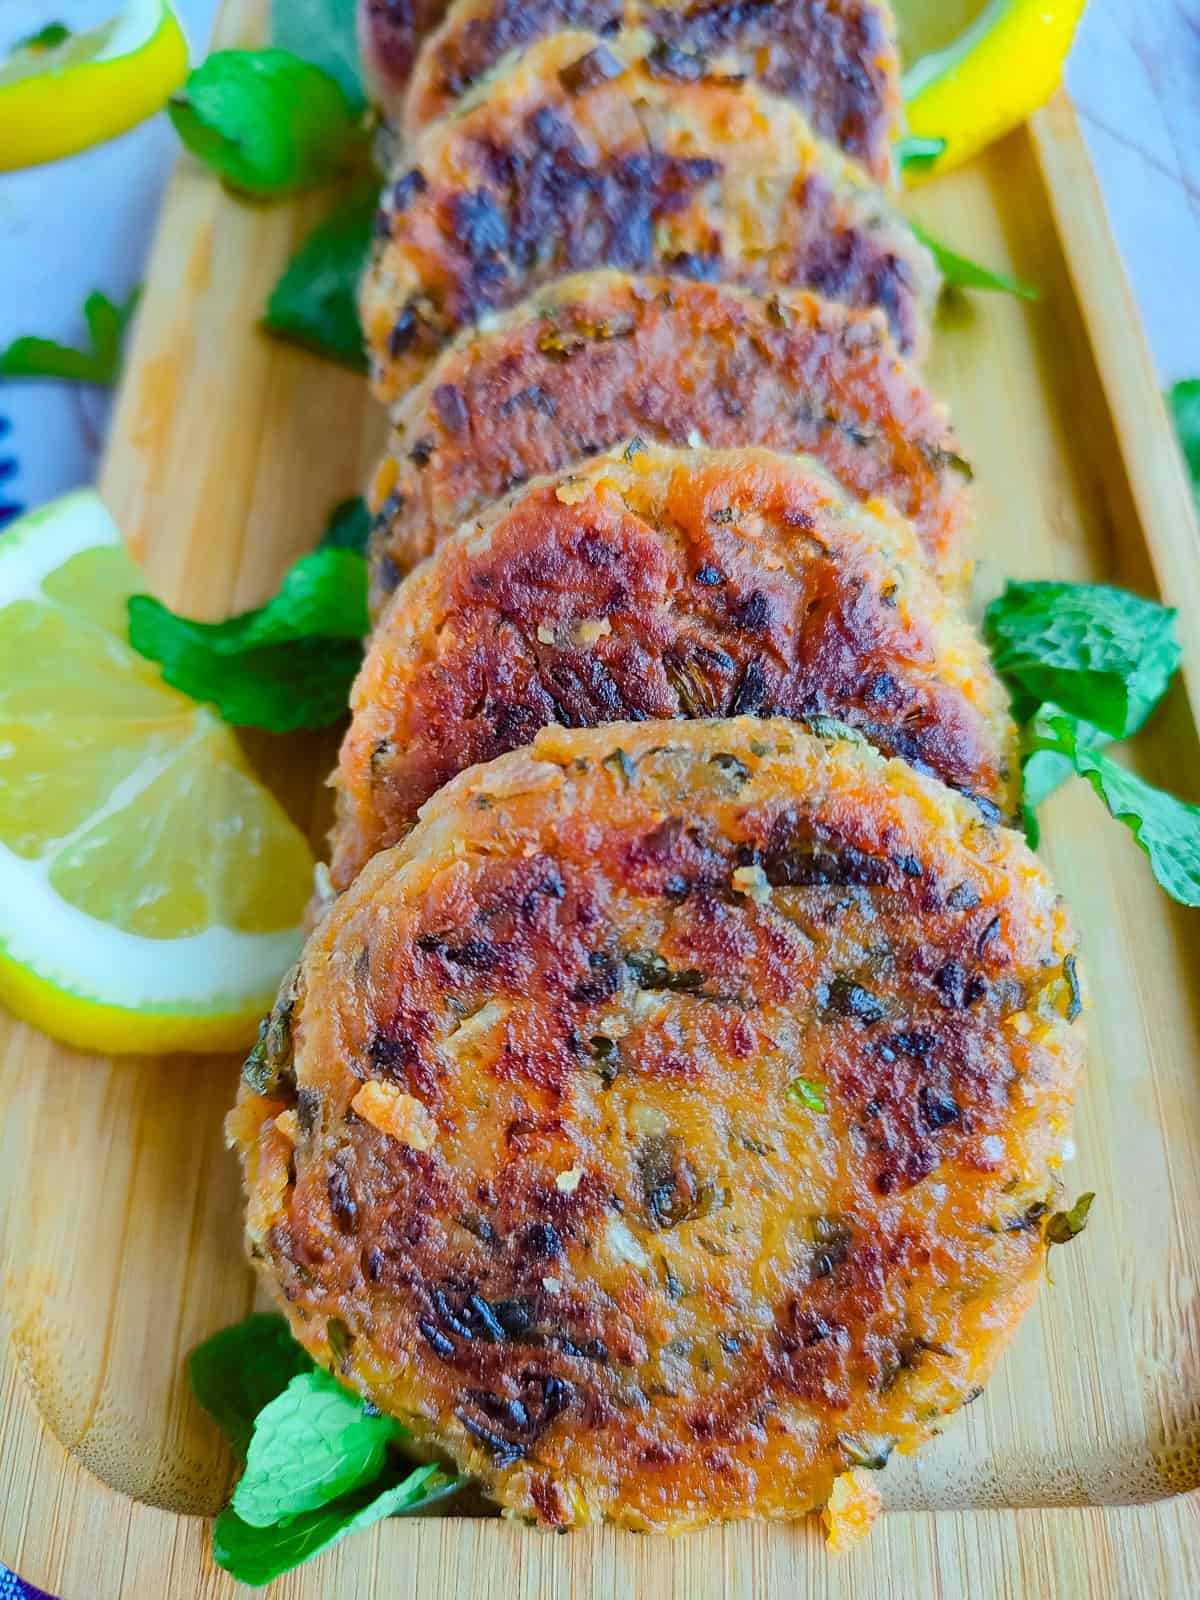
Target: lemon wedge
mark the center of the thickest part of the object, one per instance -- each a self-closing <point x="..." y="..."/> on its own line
<point x="998" y="72"/>
<point x="63" y="96"/>
<point x="151" y="890"/>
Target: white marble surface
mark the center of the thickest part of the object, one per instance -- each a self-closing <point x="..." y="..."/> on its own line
<point x="87" y="222"/>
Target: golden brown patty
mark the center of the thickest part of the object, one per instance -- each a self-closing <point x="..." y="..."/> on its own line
<point x="538" y="178"/>
<point x="603" y="357"/>
<point x="664" y="583"/>
<point x="836" y="59"/>
<point x="669" y="1121"/>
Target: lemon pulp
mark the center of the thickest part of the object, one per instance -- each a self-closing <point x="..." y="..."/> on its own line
<point x="151" y="890"/>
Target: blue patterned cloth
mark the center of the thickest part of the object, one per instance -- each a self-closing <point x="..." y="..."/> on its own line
<point x="13" y="1588"/>
<point x="8" y="510"/>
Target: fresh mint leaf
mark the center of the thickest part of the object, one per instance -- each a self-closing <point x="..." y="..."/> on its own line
<point x="315" y="302"/>
<point x="311" y="1444"/>
<point x="47" y="38"/>
<point x="257" y="1555"/>
<point x="238" y="1371"/>
<point x="1184" y="401"/>
<point x="1043" y="771"/>
<point x="349" y="526"/>
<point x="1101" y="654"/>
<point x="321" y="31"/>
<point x="917" y="153"/>
<point x="1167" y="829"/>
<point x="265" y="121"/>
<point x="32" y="357"/>
<point x="960" y="272"/>
<point x="287" y="665"/>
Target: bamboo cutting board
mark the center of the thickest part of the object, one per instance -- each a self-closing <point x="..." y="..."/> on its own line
<point x="119" y="1210"/>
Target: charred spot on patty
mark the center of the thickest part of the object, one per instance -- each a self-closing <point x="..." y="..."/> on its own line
<point x="705" y="180"/>
<point x="593" y="1245"/>
<point x="604" y="357"/>
<point x="835" y="59"/>
<point x="573" y="602"/>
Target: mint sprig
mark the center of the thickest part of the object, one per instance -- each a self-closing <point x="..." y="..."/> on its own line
<point x="320" y="1464"/>
<point x="99" y="364"/>
<point x="1103" y="655"/>
<point x="45" y="39"/>
<point x="1184" y="403"/>
<point x="258" y="1555"/>
<point x="348" y="527"/>
<point x="286" y="665"/>
<point x="283" y="666"/>
<point x="917" y="153"/>
<point x="1086" y="664"/>
<point x="321" y="31"/>
<point x="1166" y="829"/>
<point x="242" y="1369"/>
<point x="311" y="1444"/>
<point x="265" y="121"/>
<point x="315" y="302"/>
<point x="960" y="272"/>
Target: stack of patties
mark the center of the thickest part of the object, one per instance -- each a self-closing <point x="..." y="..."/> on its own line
<point x="662" y="1118"/>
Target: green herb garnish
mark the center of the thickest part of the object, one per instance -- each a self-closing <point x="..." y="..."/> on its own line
<point x="265" y="121"/>
<point x="310" y="1445"/>
<point x="917" y="154"/>
<point x="319" y="1462"/>
<point x="286" y="665"/>
<point x="1167" y="829"/>
<point x="321" y="31"/>
<point x="258" y="1555"/>
<point x="315" y="302"/>
<point x="803" y="1092"/>
<point x="1101" y="654"/>
<point x="348" y="527"/>
<point x="47" y="38"/>
<point x="1086" y="664"/>
<point x="1184" y="402"/>
<point x="32" y="357"/>
<point x="960" y="272"/>
<point x="242" y="1369"/>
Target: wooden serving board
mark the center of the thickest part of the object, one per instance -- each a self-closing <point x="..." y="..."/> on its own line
<point x="119" y="1209"/>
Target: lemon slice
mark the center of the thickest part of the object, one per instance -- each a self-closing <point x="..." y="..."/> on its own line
<point x="90" y="86"/>
<point x="998" y="72"/>
<point x="151" y="890"/>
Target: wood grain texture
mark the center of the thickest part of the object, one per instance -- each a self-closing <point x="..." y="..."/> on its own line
<point x="119" y="1210"/>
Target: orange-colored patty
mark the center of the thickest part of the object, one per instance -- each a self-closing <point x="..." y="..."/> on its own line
<point x="389" y="34"/>
<point x="836" y="59"/>
<point x="669" y="1122"/>
<point x="663" y="583"/>
<point x="603" y="357"/>
<point x="544" y="175"/>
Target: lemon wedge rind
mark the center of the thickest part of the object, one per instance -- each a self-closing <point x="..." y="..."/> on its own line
<point x="92" y="87"/>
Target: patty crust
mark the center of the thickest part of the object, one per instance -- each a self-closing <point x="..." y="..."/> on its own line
<point x="389" y="32"/>
<point x="670" y="1121"/>
<point x="656" y="583"/>
<point x="544" y="175"/>
<point x="602" y="357"/>
<point x="836" y="59"/>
